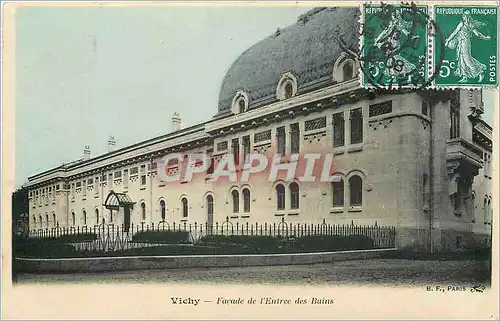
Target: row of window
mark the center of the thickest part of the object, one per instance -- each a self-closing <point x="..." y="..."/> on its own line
<point x="338" y="123"/>
<point x="110" y="179"/>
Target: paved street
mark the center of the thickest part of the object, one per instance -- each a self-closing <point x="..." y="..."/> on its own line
<point x="380" y="271"/>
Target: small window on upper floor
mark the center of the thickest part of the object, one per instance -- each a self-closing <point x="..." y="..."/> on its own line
<point x="344" y="68"/>
<point x="240" y="103"/>
<point x="287" y="86"/>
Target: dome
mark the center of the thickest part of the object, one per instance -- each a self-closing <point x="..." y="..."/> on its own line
<point x="308" y="49"/>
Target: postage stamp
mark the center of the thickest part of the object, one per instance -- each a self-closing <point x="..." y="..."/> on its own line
<point x="394" y="46"/>
<point x="469" y="50"/>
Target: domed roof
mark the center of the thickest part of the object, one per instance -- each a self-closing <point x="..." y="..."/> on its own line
<point x="308" y="49"/>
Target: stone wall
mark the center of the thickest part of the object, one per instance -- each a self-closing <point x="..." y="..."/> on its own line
<point x="101" y="264"/>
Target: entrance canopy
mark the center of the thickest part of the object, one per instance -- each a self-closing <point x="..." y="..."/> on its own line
<point x="116" y="200"/>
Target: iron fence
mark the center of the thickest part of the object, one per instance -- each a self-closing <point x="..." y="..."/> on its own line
<point x="112" y="237"/>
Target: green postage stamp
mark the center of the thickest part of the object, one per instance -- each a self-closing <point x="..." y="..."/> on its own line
<point x="422" y="46"/>
<point x="394" y="46"/>
<point x="468" y="55"/>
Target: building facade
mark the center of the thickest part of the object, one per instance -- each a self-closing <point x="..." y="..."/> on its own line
<point x="416" y="160"/>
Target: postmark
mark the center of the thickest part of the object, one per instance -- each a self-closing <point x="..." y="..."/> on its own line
<point x="470" y="46"/>
<point x="393" y="50"/>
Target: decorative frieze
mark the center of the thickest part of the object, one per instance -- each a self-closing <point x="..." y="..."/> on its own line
<point x="384" y="123"/>
<point x="380" y="109"/>
<point x="262" y="136"/>
<point x="316" y="123"/>
<point x="222" y="146"/>
<point x="318" y="137"/>
<point x="262" y="149"/>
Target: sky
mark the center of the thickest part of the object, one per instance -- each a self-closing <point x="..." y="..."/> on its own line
<point x="86" y="73"/>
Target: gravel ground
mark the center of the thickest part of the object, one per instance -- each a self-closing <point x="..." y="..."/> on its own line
<point x="368" y="272"/>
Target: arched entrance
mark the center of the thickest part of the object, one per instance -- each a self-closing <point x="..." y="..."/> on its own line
<point x="116" y="200"/>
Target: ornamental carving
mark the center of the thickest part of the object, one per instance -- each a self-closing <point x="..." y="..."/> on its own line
<point x="222" y="146"/>
<point x="262" y="136"/>
<point x="316" y="123"/>
<point x="262" y="149"/>
<point x="381" y="123"/>
<point x="314" y="137"/>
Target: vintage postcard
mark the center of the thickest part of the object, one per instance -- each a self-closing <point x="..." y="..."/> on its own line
<point x="250" y="160"/>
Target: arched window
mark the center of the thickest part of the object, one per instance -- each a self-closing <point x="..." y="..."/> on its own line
<point x="490" y="211"/>
<point x="240" y="102"/>
<point x="355" y="191"/>
<point x="210" y="205"/>
<point x="294" y="195"/>
<point x="46" y="220"/>
<point x="288" y="90"/>
<point x="54" y="222"/>
<point x="287" y="86"/>
<point x="210" y="212"/>
<point x="84" y="214"/>
<point x="280" y="197"/>
<point x="97" y="216"/>
<point x="143" y="211"/>
<point x="73" y="219"/>
<point x="236" y="201"/>
<point x="347" y="71"/>
<point x="162" y="210"/>
<point x="485" y="210"/>
<point x="246" y="200"/>
<point x="338" y="193"/>
<point x="185" y="207"/>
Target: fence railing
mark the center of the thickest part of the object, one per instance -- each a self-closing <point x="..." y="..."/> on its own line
<point x="111" y="237"/>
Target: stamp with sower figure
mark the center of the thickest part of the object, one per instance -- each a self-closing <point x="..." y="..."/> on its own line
<point x="470" y="46"/>
<point x="423" y="46"/>
<point x="394" y="46"/>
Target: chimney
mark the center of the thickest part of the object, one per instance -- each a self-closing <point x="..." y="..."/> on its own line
<point x="86" y="153"/>
<point x="176" y="122"/>
<point x="111" y="143"/>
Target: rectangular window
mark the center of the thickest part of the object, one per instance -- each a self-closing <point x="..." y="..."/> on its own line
<point x="294" y="138"/>
<point x="455" y="120"/>
<point x="118" y="174"/>
<point x="78" y="184"/>
<point x="281" y="141"/>
<point x="338" y="130"/>
<point x="134" y="171"/>
<point x="356" y="126"/>
<point x="96" y="185"/>
<point x="380" y="109"/>
<point x="211" y="159"/>
<point x="143" y="180"/>
<point x="125" y="178"/>
<point x="143" y="169"/>
<point x="246" y="148"/>
<point x="425" y="108"/>
<point x="236" y="150"/>
<point x="73" y="190"/>
<point x="154" y="165"/>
